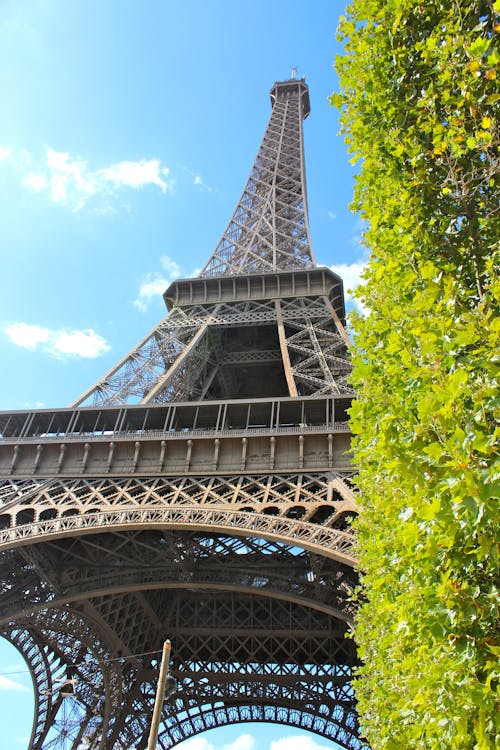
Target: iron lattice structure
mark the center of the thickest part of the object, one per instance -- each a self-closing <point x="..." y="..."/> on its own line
<point x="200" y="491"/>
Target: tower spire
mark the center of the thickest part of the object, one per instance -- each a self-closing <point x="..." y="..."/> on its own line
<point x="269" y="229"/>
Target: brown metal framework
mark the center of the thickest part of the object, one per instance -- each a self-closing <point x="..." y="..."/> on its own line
<point x="200" y="491"/>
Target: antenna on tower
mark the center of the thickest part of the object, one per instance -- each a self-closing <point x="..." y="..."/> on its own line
<point x="294" y="72"/>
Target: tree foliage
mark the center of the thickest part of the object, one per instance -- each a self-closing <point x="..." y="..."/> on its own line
<point x="419" y="93"/>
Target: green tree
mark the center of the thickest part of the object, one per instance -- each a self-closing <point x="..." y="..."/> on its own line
<point x="418" y="97"/>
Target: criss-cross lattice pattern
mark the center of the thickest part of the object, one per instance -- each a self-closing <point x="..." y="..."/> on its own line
<point x="268" y="232"/>
<point x="64" y="650"/>
<point x="186" y="357"/>
<point x="199" y="492"/>
<point x="318" y="498"/>
<point x="291" y="664"/>
<point x="269" y="228"/>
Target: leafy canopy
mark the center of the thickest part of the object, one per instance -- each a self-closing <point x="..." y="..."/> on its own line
<point x="418" y="102"/>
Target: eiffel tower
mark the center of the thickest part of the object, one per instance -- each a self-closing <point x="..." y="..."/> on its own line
<point x="200" y="492"/>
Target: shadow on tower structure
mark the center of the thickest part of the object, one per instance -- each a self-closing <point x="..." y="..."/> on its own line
<point x="199" y="492"/>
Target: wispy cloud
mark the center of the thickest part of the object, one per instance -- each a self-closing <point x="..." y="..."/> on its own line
<point x="295" y="743"/>
<point x="36" y="182"/>
<point x="170" y="267"/>
<point x="248" y="742"/>
<point x="332" y="215"/>
<point x="5" y="153"/>
<point x="351" y="273"/>
<point x="68" y="180"/>
<point x="356" y="240"/>
<point x="136" y="174"/>
<point x="198" y="181"/>
<point x="6" y="683"/>
<point x="36" y="405"/>
<point x="154" y="284"/>
<point x="27" y="336"/>
<point x="243" y="742"/>
<point x="59" y="343"/>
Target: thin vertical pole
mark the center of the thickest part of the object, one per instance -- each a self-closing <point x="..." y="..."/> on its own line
<point x="160" y="691"/>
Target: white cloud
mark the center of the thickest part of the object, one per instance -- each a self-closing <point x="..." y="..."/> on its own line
<point x="5" y="153"/>
<point x="36" y="182"/>
<point x="171" y="267"/>
<point x="295" y="743"/>
<point x="248" y="742"/>
<point x="136" y="174"/>
<point x="68" y="176"/>
<point x="7" y="684"/>
<point x="86" y="343"/>
<point x="350" y="273"/>
<point x="357" y="236"/>
<point x="58" y="343"/>
<point x="26" y="335"/>
<point x="243" y="742"/>
<point x="332" y="215"/>
<point x="154" y="284"/>
<point x="198" y="181"/>
<point x="68" y="180"/>
<point x="108" y="210"/>
<point x="197" y="743"/>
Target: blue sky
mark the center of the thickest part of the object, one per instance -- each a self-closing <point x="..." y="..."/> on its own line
<point x="127" y="132"/>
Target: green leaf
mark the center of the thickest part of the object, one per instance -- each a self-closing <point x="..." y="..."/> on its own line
<point x="417" y="101"/>
<point x="428" y="512"/>
<point x="479" y="47"/>
<point x="434" y="451"/>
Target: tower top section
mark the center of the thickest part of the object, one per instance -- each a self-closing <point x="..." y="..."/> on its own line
<point x="261" y="317"/>
<point x="295" y="87"/>
<point x="269" y="230"/>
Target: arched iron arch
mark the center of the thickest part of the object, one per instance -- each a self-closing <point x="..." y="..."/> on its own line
<point x="298" y="603"/>
<point x="316" y="538"/>
<point x="343" y="729"/>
